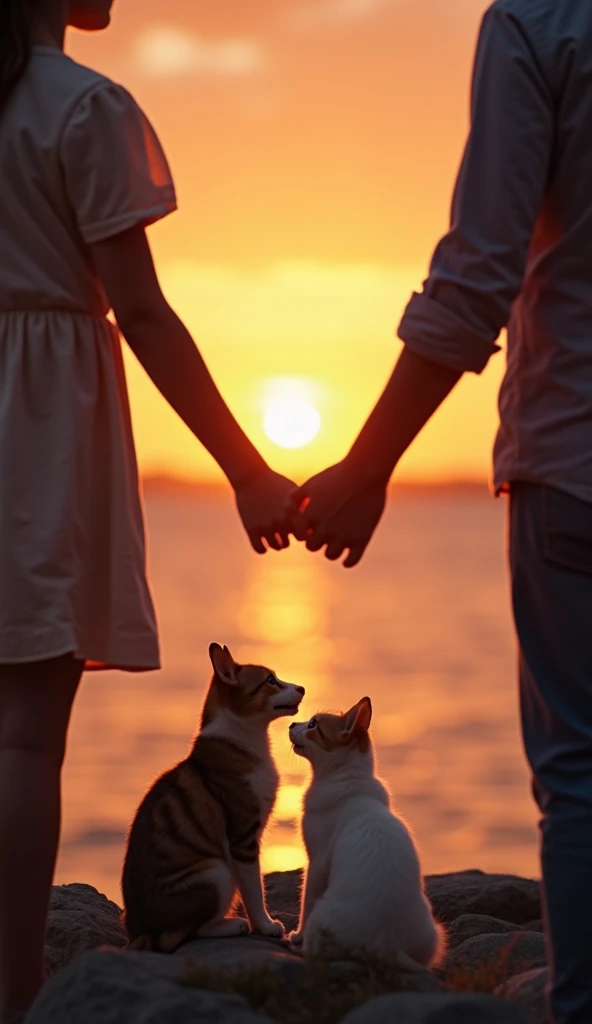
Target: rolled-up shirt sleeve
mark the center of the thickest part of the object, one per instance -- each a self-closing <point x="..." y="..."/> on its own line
<point x="478" y="268"/>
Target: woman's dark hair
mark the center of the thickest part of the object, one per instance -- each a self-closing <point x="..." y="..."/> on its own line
<point x="15" y="46"/>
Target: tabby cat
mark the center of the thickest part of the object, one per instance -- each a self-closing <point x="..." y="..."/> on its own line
<point x="196" y="835"/>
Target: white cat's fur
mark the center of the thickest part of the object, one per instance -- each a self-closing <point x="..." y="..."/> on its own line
<point x="364" y="886"/>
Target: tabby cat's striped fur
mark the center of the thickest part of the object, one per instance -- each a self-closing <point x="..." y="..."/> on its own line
<point x="195" y="838"/>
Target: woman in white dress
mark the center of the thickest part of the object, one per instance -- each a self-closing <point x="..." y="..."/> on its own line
<point x="82" y="175"/>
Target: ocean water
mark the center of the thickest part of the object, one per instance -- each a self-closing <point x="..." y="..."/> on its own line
<point x="422" y="626"/>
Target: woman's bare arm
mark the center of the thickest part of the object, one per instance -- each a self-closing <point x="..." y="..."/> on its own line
<point x="167" y="352"/>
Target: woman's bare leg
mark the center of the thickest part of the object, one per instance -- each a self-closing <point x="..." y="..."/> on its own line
<point x="35" y="704"/>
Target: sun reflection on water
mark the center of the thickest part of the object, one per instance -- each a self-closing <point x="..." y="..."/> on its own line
<point x="284" y="620"/>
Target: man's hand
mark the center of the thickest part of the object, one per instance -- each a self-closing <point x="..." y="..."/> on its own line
<point x="342" y="506"/>
<point x="263" y="504"/>
<point x="336" y="509"/>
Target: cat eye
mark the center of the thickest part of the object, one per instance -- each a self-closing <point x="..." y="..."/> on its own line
<point x="312" y="724"/>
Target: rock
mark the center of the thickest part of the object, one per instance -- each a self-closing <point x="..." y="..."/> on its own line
<point x="348" y="972"/>
<point x="505" y="897"/>
<point x="482" y="909"/>
<point x="245" y="952"/>
<point x="80" y="919"/>
<point x="255" y="951"/>
<point x="422" y="982"/>
<point x="529" y="991"/>
<point x="133" y="988"/>
<point x="504" y="955"/>
<point x="468" y="925"/>
<point x="441" y="1009"/>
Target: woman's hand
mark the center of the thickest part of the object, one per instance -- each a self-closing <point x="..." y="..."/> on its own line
<point x="339" y="509"/>
<point x="263" y="503"/>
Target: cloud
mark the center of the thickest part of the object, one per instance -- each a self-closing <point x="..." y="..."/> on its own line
<point x="168" y="51"/>
<point x="312" y="13"/>
<point x="315" y="12"/>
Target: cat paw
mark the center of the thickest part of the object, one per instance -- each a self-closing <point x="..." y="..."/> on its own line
<point x="295" y="938"/>
<point x="272" y="929"/>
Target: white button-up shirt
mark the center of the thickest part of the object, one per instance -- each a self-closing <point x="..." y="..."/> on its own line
<point x="519" y="251"/>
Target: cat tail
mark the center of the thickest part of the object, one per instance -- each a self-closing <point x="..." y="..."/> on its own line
<point x="434" y="958"/>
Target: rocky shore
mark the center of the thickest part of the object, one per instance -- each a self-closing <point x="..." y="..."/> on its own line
<point x="495" y="970"/>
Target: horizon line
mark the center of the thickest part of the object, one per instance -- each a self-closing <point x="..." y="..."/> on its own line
<point x="170" y="483"/>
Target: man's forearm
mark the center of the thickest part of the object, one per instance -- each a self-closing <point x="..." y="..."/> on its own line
<point x="415" y="390"/>
<point x="168" y="354"/>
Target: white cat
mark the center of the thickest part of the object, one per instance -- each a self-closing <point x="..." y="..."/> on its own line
<point x="364" y="885"/>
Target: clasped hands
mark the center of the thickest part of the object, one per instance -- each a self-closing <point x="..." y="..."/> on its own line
<point x="338" y="509"/>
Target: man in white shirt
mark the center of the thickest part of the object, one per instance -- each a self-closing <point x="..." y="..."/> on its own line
<point x="518" y="254"/>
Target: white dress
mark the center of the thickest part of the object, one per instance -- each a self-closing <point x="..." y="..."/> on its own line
<point x="79" y="162"/>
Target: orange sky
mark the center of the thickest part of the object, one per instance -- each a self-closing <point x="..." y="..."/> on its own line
<point x="314" y="145"/>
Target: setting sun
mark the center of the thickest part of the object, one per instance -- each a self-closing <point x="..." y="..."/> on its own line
<point x="290" y="420"/>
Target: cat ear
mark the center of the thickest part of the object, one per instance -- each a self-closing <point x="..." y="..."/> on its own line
<point x="223" y="664"/>
<point x="357" y="719"/>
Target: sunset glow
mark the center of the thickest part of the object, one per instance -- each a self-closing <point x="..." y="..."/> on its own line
<point x="314" y="147"/>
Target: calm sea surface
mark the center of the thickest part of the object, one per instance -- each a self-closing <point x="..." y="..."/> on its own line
<point x="422" y="626"/>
